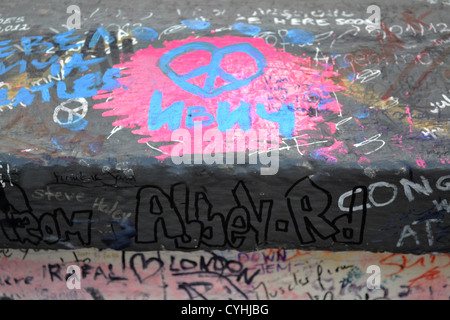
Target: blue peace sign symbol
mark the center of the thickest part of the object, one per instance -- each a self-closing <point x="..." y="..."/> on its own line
<point x="213" y="70"/>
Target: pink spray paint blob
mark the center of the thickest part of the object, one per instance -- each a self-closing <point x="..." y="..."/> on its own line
<point x="286" y="79"/>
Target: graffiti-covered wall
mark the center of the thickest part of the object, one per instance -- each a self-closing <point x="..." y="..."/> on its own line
<point x="222" y="275"/>
<point x="277" y="148"/>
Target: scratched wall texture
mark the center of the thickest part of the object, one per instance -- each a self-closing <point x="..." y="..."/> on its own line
<point x="210" y="150"/>
<point x="267" y="275"/>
